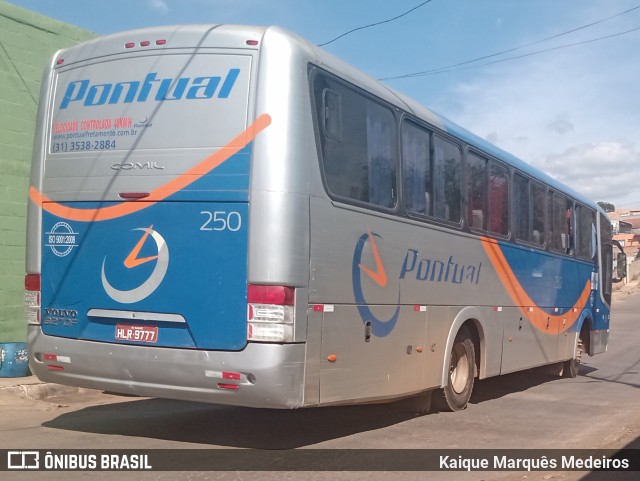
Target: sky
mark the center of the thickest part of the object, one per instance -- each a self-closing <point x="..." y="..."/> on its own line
<point x="564" y="98"/>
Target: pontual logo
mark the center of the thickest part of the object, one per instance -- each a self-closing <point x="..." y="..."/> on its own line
<point x="379" y="327"/>
<point x="434" y="270"/>
<point x="160" y="89"/>
<point x="132" y="261"/>
<point x="415" y="267"/>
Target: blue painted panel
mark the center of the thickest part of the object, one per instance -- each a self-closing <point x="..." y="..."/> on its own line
<point x="180" y="258"/>
<point x="549" y="280"/>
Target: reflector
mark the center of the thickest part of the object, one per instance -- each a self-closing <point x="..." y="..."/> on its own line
<point x="32" y="282"/>
<point x="231" y="387"/>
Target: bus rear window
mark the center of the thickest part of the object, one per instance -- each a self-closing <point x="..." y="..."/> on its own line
<point x="150" y="102"/>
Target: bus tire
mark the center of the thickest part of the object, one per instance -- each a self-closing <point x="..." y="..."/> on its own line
<point x="571" y="367"/>
<point x="456" y="394"/>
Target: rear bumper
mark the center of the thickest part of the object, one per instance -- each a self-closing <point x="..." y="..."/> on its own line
<point x="271" y="375"/>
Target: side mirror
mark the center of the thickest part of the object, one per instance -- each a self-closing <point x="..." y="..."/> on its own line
<point x="621" y="265"/>
<point x="621" y="262"/>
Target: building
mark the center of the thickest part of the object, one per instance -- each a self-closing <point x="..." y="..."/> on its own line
<point x="626" y="229"/>
<point x="27" y="43"/>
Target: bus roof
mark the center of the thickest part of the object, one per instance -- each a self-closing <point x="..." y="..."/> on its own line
<point x="243" y="36"/>
<point x="169" y="37"/>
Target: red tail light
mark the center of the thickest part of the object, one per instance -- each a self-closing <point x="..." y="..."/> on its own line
<point x="278" y="295"/>
<point x="32" y="298"/>
<point x="32" y="282"/>
<point x="270" y="313"/>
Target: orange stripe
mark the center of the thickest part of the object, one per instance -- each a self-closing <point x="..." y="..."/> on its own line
<point x="132" y="259"/>
<point x="379" y="276"/>
<point x="162" y="192"/>
<point x="541" y="320"/>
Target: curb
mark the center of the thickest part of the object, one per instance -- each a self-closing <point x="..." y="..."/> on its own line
<point x="32" y="389"/>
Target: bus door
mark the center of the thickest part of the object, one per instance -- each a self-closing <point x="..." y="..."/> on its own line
<point x="549" y="289"/>
<point x="607" y="246"/>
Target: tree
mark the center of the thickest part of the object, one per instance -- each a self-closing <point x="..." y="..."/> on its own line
<point x="607" y="206"/>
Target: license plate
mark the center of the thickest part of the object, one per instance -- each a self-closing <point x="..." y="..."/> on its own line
<point x="125" y="332"/>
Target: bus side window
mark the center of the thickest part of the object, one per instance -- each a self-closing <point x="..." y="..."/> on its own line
<point x="521" y="208"/>
<point x="560" y="223"/>
<point x="380" y="155"/>
<point x="585" y="232"/>
<point x="529" y="210"/>
<point x="538" y="210"/>
<point x="570" y="234"/>
<point x="477" y="191"/>
<point x="498" y="199"/>
<point x="358" y="143"/>
<point x="447" y="165"/>
<point x="416" y="169"/>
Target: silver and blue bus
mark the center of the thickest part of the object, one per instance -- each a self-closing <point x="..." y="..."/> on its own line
<point x="229" y="214"/>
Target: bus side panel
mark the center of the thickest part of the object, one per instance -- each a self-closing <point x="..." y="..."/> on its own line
<point x="370" y="367"/>
<point x="524" y="346"/>
<point x="392" y="278"/>
<point x="387" y="320"/>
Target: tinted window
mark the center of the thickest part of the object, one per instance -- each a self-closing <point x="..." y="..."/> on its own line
<point x="358" y="139"/>
<point x="521" y="207"/>
<point x="529" y="210"/>
<point x="416" y="169"/>
<point x="560" y="225"/>
<point x="447" y="169"/>
<point x="477" y="194"/>
<point x="498" y="199"/>
<point x="538" y="214"/>
<point x="585" y="232"/>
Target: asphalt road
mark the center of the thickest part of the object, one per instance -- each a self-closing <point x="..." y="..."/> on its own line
<point x="598" y="409"/>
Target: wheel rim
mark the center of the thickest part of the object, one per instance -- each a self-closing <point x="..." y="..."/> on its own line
<point x="459" y="369"/>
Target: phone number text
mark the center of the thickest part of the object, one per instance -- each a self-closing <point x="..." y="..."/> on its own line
<point x="83" y="146"/>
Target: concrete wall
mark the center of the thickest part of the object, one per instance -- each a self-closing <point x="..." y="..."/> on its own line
<point x="27" y="42"/>
<point x="633" y="269"/>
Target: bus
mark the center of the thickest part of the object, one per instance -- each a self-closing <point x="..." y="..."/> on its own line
<point x="229" y="214"/>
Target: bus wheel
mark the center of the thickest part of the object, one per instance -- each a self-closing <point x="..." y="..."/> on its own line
<point x="570" y="368"/>
<point x="456" y="394"/>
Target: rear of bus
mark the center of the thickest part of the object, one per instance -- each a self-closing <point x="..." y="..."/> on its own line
<point x="139" y="220"/>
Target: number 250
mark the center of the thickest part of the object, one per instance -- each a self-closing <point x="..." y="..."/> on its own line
<point x="221" y="220"/>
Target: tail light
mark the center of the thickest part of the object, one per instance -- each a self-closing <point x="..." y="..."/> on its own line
<point x="32" y="298"/>
<point x="270" y="313"/>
